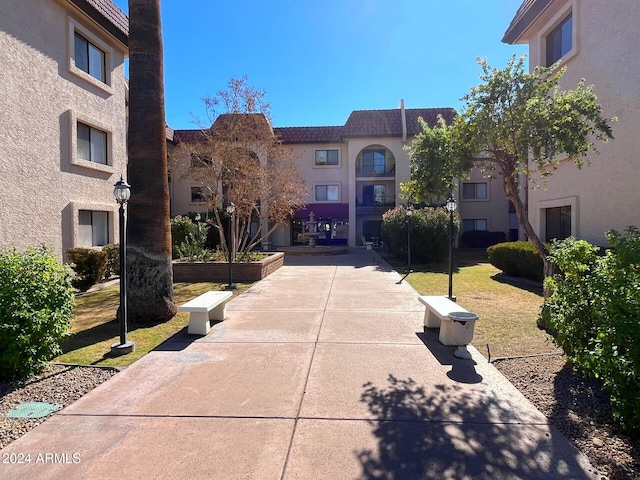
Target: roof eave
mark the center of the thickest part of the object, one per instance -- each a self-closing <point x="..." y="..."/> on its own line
<point x="85" y="7"/>
<point x="526" y="18"/>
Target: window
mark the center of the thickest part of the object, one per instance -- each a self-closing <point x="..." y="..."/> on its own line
<point x="327" y="193"/>
<point x="559" y="41"/>
<point x="198" y="194"/>
<point x="474" y="224"/>
<point x="201" y="161"/>
<point x="558" y="223"/>
<point x="326" y="157"/>
<point x="89" y="58"/>
<point x="474" y="191"/>
<point x="373" y="161"/>
<point x="93" y="228"/>
<point x="92" y="144"/>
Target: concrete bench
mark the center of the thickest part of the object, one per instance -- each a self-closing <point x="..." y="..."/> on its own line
<point x="206" y="307"/>
<point x="437" y="314"/>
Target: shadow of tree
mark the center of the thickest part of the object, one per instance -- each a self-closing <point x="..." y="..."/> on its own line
<point x="458" y="433"/>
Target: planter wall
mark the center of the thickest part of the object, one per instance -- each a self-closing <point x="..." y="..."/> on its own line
<point x="194" y="272"/>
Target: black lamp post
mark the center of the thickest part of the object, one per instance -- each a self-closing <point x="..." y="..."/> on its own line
<point x="231" y="208"/>
<point x="122" y="193"/>
<point x="409" y="214"/>
<point x="451" y="206"/>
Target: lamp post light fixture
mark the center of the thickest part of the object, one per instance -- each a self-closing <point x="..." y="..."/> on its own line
<point x="409" y="214"/>
<point x="231" y="209"/>
<point x="451" y="207"/>
<point x="122" y="193"/>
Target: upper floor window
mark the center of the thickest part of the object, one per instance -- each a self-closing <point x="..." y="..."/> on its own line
<point x="93" y="228"/>
<point x="92" y="144"/>
<point x="373" y="161"/>
<point x="327" y="193"/>
<point x="198" y="194"/>
<point x="326" y="157"/>
<point x="474" y="191"/>
<point x="559" y="41"/>
<point x="201" y="161"/>
<point x="89" y="58"/>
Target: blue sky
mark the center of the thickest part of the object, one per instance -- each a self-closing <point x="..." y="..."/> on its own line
<point x="318" y="61"/>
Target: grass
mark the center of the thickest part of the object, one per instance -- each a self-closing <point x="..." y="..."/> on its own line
<point x="95" y="326"/>
<point x="507" y="312"/>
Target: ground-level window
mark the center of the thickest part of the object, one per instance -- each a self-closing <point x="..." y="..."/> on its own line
<point x="474" y="224"/>
<point x="474" y="191"/>
<point x="198" y="195"/>
<point x="557" y="223"/>
<point x="327" y="193"/>
<point x="92" y="144"/>
<point x="559" y="41"/>
<point x="326" y="157"/>
<point x="93" y="228"/>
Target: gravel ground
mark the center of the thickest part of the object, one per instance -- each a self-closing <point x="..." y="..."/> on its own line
<point x="579" y="408"/>
<point x="58" y="384"/>
<point x="576" y="406"/>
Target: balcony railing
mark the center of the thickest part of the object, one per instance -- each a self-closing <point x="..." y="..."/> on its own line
<point x="377" y="201"/>
<point x="388" y="170"/>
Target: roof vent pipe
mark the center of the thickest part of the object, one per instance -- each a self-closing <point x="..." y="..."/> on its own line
<point x="403" y="116"/>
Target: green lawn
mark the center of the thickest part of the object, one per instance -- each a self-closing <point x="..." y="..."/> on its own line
<point x="507" y="313"/>
<point x="95" y="326"/>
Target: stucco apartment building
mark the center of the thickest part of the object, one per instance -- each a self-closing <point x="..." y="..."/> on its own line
<point x="597" y="41"/>
<point x="353" y="173"/>
<point x="62" y="121"/>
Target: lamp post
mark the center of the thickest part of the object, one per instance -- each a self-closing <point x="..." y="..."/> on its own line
<point x="451" y="206"/>
<point x="231" y="208"/>
<point x="122" y="193"/>
<point x="409" y="214"/>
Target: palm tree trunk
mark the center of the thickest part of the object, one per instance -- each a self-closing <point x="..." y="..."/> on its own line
<point x="150" y="277"/>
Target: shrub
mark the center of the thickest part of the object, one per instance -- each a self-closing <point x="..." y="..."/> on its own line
<point x="189" y="239"/>
<point x="429" y="233"/>
<point x="112" y="266"/>
<point x="36" y="306"/>
<point x="594" y="310"/>
<point x="89" y="266"/>
<point x="517" y="259"/>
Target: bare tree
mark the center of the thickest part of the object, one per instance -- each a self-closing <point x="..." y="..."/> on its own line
<point x="236" y="158"/>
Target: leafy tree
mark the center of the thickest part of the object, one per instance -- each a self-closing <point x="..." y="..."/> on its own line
<point x="516" y="124"/>
<point x="522" y="123"/>
<point x="150" y="277"/>
<point x="237" y="159"/>
<point x="437" y="159"/>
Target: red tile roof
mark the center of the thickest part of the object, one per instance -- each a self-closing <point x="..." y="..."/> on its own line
<point x="108" y="15"/>
<point x="525" y="16"/>
<point x="361" y="123"/>
<point x="308" y="134"/>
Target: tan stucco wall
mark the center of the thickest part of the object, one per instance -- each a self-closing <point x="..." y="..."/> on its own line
<point x="604" y="195"/>
<point x="41" y="95"/>
<point x="494" y="209"/>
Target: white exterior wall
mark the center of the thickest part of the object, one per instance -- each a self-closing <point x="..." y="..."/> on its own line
<point x="42" y="94"/>
<point x="605" y="195"/>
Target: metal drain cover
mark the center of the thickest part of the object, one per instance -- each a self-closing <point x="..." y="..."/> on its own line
<point x="33" y="410"/>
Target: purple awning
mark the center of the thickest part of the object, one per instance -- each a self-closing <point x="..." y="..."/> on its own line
<point x="324" y="210"/>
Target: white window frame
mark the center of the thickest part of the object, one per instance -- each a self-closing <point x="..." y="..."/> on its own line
<point x="338" y="187"/>
<point x="75" y="27"/>
<point x="77" y="207"/>
<point x="74" y="118"/>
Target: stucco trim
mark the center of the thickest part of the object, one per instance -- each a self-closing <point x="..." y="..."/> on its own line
<point x="75" y="26"/>
<point x="554" y="203"/>
<point x="74" y="118"/>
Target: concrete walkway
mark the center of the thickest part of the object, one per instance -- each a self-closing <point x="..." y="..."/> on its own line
<point x="321" y="371"/>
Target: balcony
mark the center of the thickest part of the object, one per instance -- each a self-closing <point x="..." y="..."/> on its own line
<point x="387" y="169"/>
<point x="376" y="203"/>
